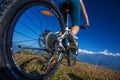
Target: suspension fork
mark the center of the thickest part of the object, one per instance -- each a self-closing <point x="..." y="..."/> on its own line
<point x="62" y="37"/>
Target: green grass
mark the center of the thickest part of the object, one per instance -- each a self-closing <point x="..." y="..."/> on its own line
<point x="26" y="51"/>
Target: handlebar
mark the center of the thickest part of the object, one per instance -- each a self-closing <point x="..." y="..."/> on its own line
<point x="83" y="27"/>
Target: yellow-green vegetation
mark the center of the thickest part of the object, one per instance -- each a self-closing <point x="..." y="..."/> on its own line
<point x="81" y="71"/>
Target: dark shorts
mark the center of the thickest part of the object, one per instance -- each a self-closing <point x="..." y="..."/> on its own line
<point x="75" y="13"/>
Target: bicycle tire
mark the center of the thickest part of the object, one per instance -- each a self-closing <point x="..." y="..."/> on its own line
<point x="10" y="11"/>
<point x="72" y="58"/>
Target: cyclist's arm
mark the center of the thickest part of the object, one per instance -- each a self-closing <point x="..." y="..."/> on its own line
<point x="84" y="13"/>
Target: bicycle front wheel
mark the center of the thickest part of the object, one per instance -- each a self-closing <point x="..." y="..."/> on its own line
<point x="23" y="23"/>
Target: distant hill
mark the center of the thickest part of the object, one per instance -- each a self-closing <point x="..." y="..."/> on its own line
<point x="81" y="71"/>
<point x="108" y="61"/>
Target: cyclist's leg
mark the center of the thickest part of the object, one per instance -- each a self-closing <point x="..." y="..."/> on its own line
<point x="75" y="15"/>
<point x="75" y="29"/>
<point x="73" y="47"/>
<point x="61" y="10"/>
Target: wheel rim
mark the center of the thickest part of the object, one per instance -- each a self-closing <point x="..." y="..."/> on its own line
<point x="25" y="38"/>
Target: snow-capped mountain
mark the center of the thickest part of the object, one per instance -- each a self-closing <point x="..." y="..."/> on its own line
<point x="104" y="59"/>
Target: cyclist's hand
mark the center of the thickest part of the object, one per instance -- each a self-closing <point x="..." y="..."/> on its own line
<point x="86" y="26"/>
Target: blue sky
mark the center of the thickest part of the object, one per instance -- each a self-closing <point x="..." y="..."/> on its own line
<point x="102" y="34"/>
<point x="104" y="30"/>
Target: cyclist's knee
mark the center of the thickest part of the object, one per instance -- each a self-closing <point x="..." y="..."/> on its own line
<point x="75" y="29"/>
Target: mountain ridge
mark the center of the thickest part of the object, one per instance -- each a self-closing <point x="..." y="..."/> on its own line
<point x="108" y="61"/>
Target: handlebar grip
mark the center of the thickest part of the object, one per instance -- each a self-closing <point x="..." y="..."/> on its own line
<point x="83" y="27"/>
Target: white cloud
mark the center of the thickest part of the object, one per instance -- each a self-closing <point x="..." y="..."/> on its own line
<point x="105" y="52"/>
<point x="86" y="51"/>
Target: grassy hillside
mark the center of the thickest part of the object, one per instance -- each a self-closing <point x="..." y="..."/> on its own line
<point x="81" y="71"/>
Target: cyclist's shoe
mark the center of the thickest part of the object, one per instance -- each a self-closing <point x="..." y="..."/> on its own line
<point x="73" y="42"/>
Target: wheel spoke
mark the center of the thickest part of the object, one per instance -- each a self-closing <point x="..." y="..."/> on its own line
<point x="24" y="34"/>
<point x="38" y="18"/>
<point x="29" y="28"/>
<point x="35" y="25"/>
<point x="24" y="41"/>
<point x="33" y="44"/>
